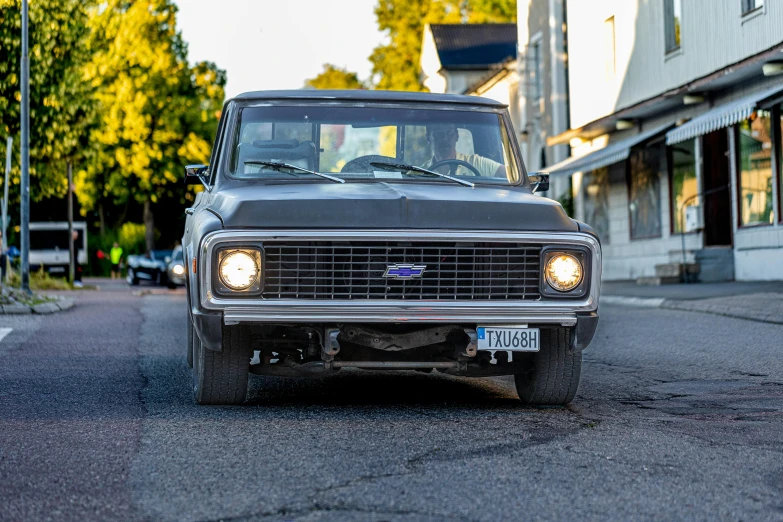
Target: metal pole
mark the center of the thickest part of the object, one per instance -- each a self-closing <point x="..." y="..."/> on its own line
<point x="71" y="260"/>
<point x="25" y="160"/>
<point x="9" y="145"/>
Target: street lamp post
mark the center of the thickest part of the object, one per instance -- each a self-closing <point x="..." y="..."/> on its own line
<point x="8" y="147"/>
<point x="71" y="253"/>
<point x="25" y="160"/>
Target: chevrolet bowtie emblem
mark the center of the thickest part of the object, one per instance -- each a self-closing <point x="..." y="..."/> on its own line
<point x="402" y="271"/>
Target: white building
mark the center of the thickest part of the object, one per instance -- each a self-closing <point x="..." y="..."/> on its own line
<point x="502" y="84"/>
<point x="473" y="59"/>
<point x="455" y="56"/>
<point x="675" y="125"/>
<point x="543" y="90"/>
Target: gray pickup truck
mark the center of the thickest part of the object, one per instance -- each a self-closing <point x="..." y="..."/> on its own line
<point x="381" y="231"/>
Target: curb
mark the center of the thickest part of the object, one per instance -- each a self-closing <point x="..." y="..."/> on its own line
<point x="687" y="306"/>
<point x="639" y="302"/>
<point x="684" y="305"/>
<point x="50" y="307"/>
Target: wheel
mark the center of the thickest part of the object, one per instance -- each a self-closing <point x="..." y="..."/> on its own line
<point x="221" y="377"/>
<point x="190" y="338"/>
<point x="131" y="278"/>
<point x="552" y="376"/>
<point x="171" y="285"/>
<point x="456" y="162"/>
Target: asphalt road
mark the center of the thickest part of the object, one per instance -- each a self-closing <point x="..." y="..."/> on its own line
<point x="679" y="417"/>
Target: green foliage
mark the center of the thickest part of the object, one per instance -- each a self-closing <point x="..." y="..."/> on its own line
<point x="333" y="77"/>
<point x="156" y="112"/>
<point x="39" y="280"/>
<point x="567" y="201"/>
<point x="112" y="92"/>
<point x="131" y="238"/>
<point x="396" y="63"/>
<point x="492" y="11"/>
<point x="61" y="106"/>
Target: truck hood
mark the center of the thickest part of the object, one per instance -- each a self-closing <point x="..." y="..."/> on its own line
<point x="387" y="206"/>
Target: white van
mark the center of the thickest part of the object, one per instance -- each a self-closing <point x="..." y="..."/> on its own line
<point x="49" y="245"/>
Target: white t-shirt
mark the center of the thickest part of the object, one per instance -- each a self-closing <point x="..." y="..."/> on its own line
<point x="485" y="166"/>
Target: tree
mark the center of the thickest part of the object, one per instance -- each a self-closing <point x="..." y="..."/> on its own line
<point x="334" y="77"/>
<point x="156" y="112"/>
<point x="61" y="108"/>
<point x="396" y="63"/>
<point x="491" y="11"/>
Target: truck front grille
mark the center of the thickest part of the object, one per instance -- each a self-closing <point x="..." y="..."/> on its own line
<point x="355" y="270"/>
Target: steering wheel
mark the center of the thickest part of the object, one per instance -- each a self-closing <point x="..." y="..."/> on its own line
<point x="461" y="163"/>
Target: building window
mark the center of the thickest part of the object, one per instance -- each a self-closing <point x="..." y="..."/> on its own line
<point x="672" y="12"/>
<point x="644" y="190"/>
<point x="684" y="185"/>
<point x="609" y="48"/>
<point x="596" y="202"/>
<point x="536" y="87"/>
<point x="755" y="170"/>
<point x="751" y="5"/>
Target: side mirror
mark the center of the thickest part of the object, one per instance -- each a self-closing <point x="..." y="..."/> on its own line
<point x="539" y="181"/>
<point x="194" y="174"/>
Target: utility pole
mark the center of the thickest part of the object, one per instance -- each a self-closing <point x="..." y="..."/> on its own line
<point x="71" y="255"/>
<point x="4" y="244"/>
<point x="8" y="146"/>
<point x="25" y="163"/>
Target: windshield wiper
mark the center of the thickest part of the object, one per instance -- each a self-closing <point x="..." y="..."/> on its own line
<point x="276" y="165"/>
<point x="413" y="168"/>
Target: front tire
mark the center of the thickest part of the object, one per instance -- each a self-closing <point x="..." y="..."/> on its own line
<point x="190" y="338"/>
<point x="552" y="376"/>
<point x="220" y="378"/>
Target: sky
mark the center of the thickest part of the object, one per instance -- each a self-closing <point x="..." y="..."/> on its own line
<point x="278" y="44"/>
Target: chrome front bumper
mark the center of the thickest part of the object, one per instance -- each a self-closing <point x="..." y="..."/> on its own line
<point x="388" y="312"/>
<point x="257" y="310"/>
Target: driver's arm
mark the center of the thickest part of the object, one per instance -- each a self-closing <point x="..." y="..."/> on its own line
<point x="487" y="168"/>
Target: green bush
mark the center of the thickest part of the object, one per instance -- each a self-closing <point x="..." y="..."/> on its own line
<point x="568" y="203"/>
<point x="39" y="280"/>
<point x="131" y="238"/>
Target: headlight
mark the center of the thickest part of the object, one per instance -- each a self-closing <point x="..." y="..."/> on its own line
<point x="178" y="270"/>
<point x="239" y="269"/>
<point x="563" y="272"/>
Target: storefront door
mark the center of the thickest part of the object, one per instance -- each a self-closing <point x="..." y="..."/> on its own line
<point x="716" y="176"/>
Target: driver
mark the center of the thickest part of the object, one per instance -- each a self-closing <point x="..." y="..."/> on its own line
<point x="443" y="138"/>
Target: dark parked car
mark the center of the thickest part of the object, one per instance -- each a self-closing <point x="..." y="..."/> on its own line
<point x="149" y="267"/>
<point x="382" y="231"/>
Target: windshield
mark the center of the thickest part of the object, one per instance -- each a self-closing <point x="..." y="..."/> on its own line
<point x="53" y="239"/>
<point x="346" y="141"/>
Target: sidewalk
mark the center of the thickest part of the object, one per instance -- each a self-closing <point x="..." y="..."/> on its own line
<point x="756" y="301"/>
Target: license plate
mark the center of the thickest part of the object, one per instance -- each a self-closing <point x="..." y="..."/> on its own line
<point x="57" y="270"/>
<point x="508" y="339"/>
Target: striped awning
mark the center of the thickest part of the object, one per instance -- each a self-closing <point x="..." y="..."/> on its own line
<point x="612" y="153"/>
<point x="720" y="117"/>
